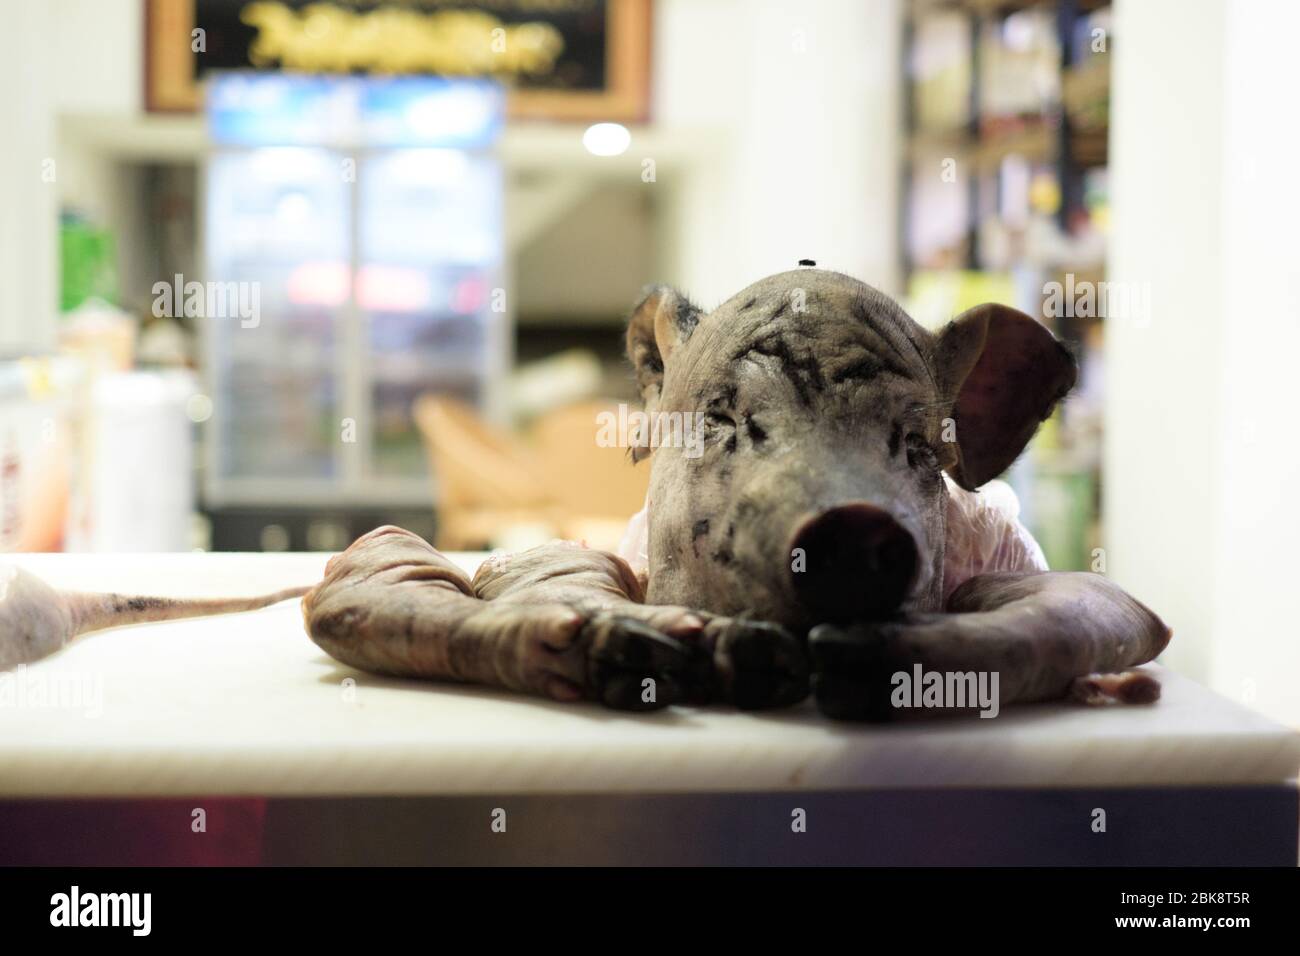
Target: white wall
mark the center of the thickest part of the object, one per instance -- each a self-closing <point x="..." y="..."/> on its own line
<point x="59" y="57"/>
<point x="99" y="46"/>
<point x="807" y="96"/>
<point x="28" y="180"/>
<point x="1256" y="647"/>
<point x="1201" y="459"/>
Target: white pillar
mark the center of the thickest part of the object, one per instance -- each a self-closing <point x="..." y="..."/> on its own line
<point x="1202" y="462"/>
<point x="805" y="98"/>
<point x="819" y="141"/>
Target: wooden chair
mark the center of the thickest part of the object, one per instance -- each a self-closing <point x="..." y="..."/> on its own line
<point x="559" y="482"/>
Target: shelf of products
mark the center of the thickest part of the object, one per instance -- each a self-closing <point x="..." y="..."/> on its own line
<point x="1004" y="198"/>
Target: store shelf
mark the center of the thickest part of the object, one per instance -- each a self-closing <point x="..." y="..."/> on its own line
<point x="1034" y="143"/>
<point x="1027" y="223"/>
<point x="1087" y="82"/>
<point x="1090" y="148"/>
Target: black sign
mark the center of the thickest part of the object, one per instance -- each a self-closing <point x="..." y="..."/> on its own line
<point x="564" y="59"/>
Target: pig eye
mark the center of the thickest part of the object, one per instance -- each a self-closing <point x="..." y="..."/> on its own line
<point x="722" y="428"/>
<point x="718" y="420"/>
<point x="920" y="454"/>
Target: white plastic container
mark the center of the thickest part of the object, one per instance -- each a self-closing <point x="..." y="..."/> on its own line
<point x="139" y="462"/>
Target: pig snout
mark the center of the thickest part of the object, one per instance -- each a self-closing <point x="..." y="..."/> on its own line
<point x="852" y="562"/>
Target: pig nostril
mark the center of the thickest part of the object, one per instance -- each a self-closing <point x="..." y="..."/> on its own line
<point x="858" y="563"/>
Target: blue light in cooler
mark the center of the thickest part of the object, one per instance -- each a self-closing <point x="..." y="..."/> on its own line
<point x="249" y="109"/>
<point x="432" y="111"/>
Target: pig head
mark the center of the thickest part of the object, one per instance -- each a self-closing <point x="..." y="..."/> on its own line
<point x="812" y="490"/>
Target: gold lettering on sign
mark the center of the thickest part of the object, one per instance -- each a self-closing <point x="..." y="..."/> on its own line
<point x="323" y="38"/>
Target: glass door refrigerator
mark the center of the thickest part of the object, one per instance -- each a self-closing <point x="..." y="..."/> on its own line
<point x="363" y="220"/>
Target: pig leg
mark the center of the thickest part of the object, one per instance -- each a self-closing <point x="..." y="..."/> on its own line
<point x="1047" y="635"/>
<point x="749" y="664"/>
<point x="392" y="604"/>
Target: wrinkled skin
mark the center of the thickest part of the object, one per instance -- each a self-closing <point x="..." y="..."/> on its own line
<point x="561" y="621"/>
<point x="814" y="510"/>
<point x="811" y="401"/>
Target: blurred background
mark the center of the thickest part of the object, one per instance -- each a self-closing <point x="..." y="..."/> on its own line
<point x="274" y="273"/>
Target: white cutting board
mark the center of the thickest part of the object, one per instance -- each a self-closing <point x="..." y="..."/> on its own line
<point x="248" y="705"/>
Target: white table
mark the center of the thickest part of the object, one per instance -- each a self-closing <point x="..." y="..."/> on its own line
<point x="248" y="706"/>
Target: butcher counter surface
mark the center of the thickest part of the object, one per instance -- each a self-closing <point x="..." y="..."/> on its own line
<point x="248" y="705"/>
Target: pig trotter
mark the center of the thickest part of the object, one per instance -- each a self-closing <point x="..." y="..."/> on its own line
<point x="631" y="666"/>
<point x="852" y="669"/>
<point x="756" y="665"/>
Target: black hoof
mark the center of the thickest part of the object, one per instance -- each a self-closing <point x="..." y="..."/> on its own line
<point x="852" y="672"/>
<point x="759" y="665"/>
<point x="631" y="666"/>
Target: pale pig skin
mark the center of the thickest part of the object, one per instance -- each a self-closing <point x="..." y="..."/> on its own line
<point x="36" y="620"/>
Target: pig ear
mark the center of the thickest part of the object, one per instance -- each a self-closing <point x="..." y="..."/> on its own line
<point x="1004" y="373"/>
<point x="661" y="321"/>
